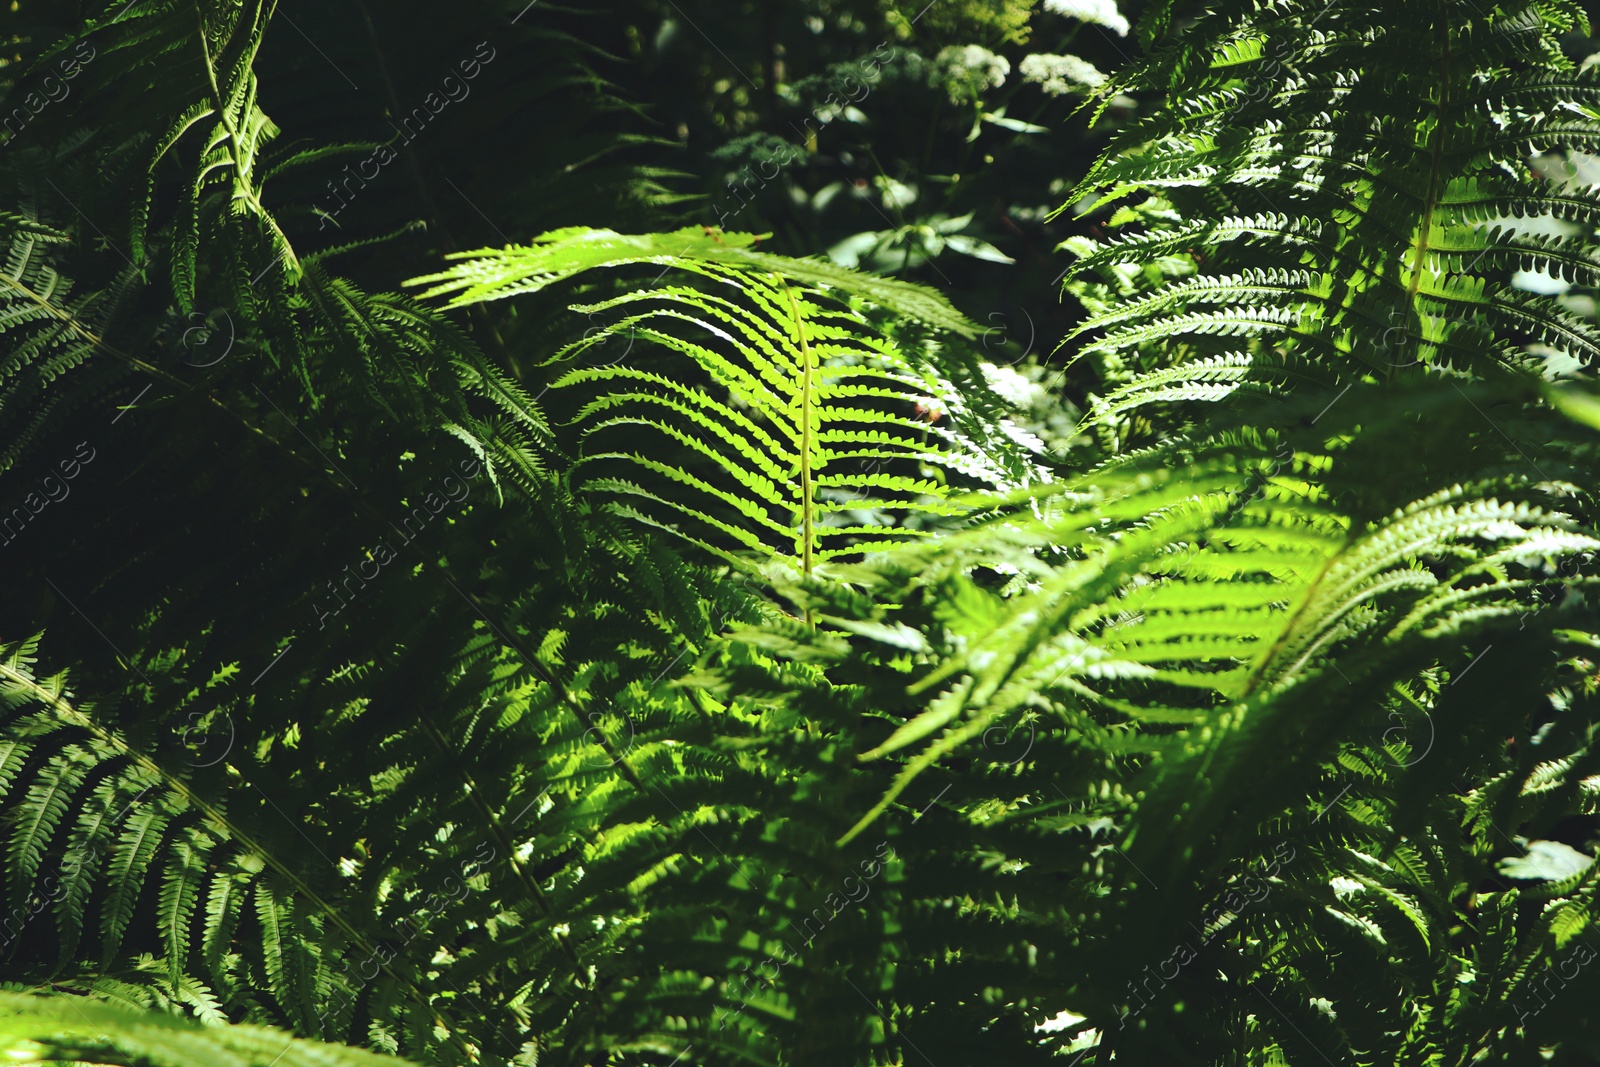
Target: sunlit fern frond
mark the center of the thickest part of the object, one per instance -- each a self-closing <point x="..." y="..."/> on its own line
<point x="778" y="421"/>
<point x="1351" y="186"/>
<point x="43" y="1029"/>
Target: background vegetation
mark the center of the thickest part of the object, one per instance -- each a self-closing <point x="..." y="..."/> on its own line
<point x="803" y="532"/>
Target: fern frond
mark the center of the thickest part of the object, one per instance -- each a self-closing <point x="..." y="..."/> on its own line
<point x="49" y="1029"/>
<point x="784" y="392"/>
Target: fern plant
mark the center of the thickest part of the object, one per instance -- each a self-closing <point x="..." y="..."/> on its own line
<point x="1204" y="693"/>
<point x="394" y="716"/>
<point x="53" y="331"/>
<point x="1339" y="193"/>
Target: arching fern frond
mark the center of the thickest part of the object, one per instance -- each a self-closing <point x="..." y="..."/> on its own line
<point x="787" y="426"/>
<point x="490" y="274"/>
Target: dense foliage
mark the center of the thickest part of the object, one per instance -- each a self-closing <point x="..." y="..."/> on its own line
<point x="557" y="536"/>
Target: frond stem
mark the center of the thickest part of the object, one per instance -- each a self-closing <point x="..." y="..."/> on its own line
<point x="235" y="139"/>
<point x="807" y="386"/>
<point x="1430" y="203"/>
<point x="1294" y="621"/>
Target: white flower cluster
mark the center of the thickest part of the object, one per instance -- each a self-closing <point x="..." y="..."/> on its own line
<point x="1059" y="75"/>
<point x="1100" y="12"/>
<point x="971" y="69"/>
